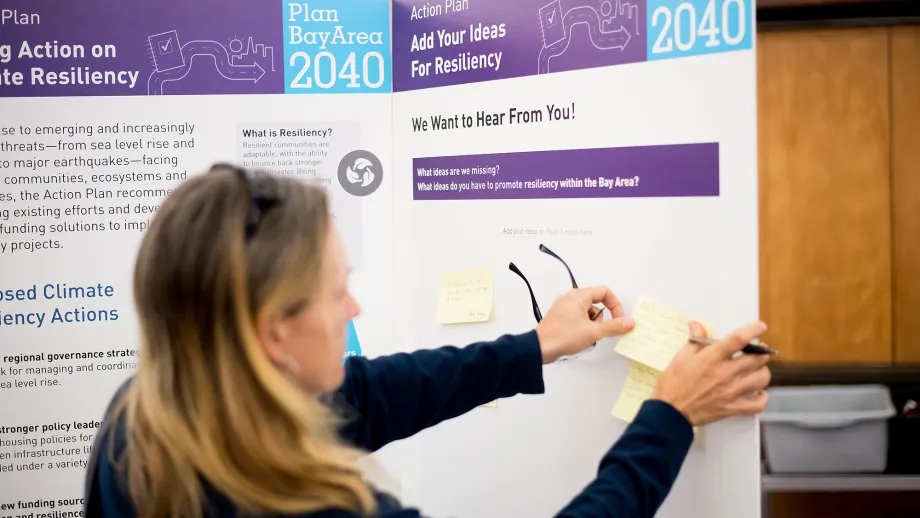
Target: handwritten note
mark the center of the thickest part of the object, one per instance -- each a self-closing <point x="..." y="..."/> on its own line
<point x="465" y="296"/>
<point x="639" y="387"/>
<point x="659" y="334"/>
<point x="640" y="383"/>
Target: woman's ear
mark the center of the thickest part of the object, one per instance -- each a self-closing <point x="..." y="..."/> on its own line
<point x="273" y="335"/>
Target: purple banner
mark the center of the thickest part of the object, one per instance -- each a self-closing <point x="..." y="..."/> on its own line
<point x="140" y="47"/>
<point x="626" y="172"/>
<point x="456" y="41"/>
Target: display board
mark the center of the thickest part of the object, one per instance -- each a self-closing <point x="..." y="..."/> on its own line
<point x="106" y="105"/>
<point x="618" y="135"/>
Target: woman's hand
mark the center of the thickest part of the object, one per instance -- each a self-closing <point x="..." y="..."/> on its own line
<point x="567" y="329"/>
<point x="709" y="383"/>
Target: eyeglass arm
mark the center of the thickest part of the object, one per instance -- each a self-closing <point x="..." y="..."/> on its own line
<point x="549" y="252"/>
<point x="533" y="299"/>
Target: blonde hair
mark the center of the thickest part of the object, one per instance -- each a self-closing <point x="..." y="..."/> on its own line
<point x="207" y="406"/>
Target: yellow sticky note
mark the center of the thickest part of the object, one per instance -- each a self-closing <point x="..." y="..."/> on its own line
<point x="698" y="438"/>
<point x="640" y="382"/>
<point x="659" y="334"/>
<point x="465" y="296"/>
<point x="491" y="404"/>
<point x="639" y="386"/>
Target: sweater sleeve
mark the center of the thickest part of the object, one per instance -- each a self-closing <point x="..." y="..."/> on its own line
<point x="639" y="470"/>
<point x="397" y="396"/>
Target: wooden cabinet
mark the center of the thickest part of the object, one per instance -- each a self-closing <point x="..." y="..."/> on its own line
<point x="905" y="190"/>
<point x="839" y="188"/>
<point x="825" y="194"/>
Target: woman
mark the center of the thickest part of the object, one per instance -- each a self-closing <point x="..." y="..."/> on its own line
<point x="241" y="290"/>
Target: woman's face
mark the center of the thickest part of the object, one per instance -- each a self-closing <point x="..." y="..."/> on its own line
<point x="310" y="345"/>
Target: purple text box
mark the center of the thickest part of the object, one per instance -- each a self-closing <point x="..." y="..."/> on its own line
<point x="457" y="42"/>
<point x="145" y="47"/>
<point x="624" y="172"/>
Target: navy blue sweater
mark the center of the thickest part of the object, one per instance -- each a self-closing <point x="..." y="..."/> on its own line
<point x="395" y="397"/>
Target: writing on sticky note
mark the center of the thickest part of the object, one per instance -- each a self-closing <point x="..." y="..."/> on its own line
<point x="465" y="296"/>
<point x="660" y="332"/>
<point x="639" y="387"/>
<point x="640" y="383"/>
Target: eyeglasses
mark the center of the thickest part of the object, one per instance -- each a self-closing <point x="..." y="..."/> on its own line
<point x="262" y="198"/>
<point x="593" y="312"/>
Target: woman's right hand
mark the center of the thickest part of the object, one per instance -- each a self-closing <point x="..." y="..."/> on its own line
<point x="709" y="383"/>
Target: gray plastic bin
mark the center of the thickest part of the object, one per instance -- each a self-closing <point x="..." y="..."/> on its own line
<point x="827" y="429"/>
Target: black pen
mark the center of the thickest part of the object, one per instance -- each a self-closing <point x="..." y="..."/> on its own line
<point x="747" y="349"/>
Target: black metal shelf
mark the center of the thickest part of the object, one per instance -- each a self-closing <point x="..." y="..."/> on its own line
<point x="794" y="15"/>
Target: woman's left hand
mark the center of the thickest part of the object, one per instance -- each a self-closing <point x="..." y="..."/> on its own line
<point x="567" y="329"/>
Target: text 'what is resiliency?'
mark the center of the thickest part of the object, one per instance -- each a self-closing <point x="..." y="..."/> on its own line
<point x="63" y="183"/>
<point x="300" y="150"/>
<point x="290" y="151"/>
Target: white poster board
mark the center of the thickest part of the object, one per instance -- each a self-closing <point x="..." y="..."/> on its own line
<point x="135" y="98"/>
<point x="569" y="125"/>
<point x="620" y="135"/>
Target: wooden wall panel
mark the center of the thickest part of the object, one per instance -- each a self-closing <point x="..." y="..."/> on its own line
<point x="825" y="240"/>
<point x="905" y="171"/>
<point x="846" y="505"/>
<point x="840" y="213"/>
